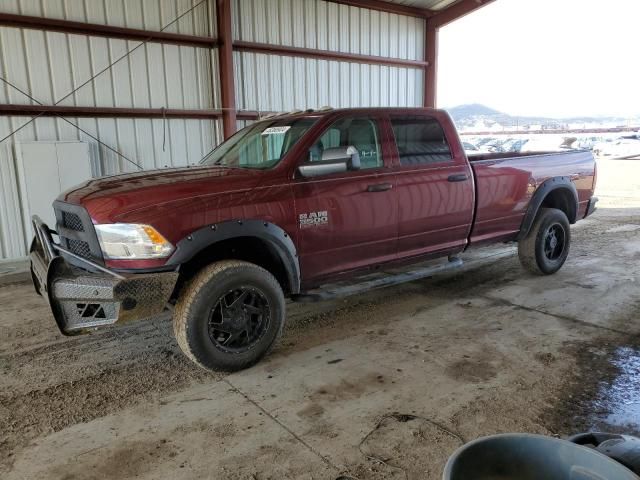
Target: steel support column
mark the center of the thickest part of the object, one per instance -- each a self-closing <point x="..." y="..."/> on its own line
<point x="225" y="56"/>
<point x="431" y="72"/>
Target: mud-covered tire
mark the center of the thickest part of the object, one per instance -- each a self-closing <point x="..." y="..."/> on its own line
<point x="537" y="251"/>
<point x="206" y="292"/>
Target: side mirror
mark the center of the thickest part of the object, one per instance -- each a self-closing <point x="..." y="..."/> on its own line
<point x="334" y="160"/>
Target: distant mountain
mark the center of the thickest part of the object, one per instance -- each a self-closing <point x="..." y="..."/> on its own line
<point x="477" y="117"/>
<point x="472" y="110"/>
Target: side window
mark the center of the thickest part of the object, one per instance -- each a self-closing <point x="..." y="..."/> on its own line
<point x="360" y="133"/>
<point x="420" y="140"/>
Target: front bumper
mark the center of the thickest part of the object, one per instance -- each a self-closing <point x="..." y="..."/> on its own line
<point x="83" y="299"/>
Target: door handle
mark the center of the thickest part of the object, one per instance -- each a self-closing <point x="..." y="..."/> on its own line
<point x="457" y="178"/>
<point x="380" y="187"/>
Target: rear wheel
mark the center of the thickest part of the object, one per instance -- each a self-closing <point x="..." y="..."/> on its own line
<point x="229" y="316"/>
<point x="546" y="247"/>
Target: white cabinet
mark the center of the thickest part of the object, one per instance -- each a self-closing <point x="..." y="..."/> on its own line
<point x="45" y="170"/>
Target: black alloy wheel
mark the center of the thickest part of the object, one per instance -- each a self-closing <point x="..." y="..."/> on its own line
<point x="239" y="319"/>
<point x="545" y="248"/>
<point x="554" y="241"/>
<point x="229" y="315"/>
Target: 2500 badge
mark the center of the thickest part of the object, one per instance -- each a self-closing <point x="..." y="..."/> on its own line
<point x="313" y="219"/>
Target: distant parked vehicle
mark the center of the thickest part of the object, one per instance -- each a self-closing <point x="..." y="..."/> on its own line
<point x="587" y="143"/>
<point x="602" y="145"/>
<point x="514" y="144"/>
<point x="492" y="146"/>
<point x="548" y="143"/>
<point x="484" y="140"/>
<point x="470" y="148"/>
<point x="624" y="147"/>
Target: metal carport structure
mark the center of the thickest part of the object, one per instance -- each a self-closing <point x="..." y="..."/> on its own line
<point x="128" y="78"/>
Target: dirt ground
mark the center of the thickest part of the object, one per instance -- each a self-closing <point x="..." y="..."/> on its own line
<point x="383" y="385"/>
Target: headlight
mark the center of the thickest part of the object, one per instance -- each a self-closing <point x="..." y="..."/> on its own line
<point x="132" y="241"/>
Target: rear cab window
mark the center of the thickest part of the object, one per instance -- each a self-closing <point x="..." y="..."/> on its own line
<point x="420" y="140"/>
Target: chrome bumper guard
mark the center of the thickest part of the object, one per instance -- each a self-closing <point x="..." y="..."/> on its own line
<point x="81" y="299"/>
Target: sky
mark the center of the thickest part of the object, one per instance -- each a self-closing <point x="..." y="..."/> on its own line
<point x="555" y="58"/>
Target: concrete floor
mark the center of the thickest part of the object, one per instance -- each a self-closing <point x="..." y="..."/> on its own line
<point x="384" y="385"/>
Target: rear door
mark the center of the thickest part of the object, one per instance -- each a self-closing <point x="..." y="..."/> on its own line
<point x="348" y="220"/>
<point x="434" y="185"/>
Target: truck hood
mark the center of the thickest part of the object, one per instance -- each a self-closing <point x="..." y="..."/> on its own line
<point x="108" y="199"/>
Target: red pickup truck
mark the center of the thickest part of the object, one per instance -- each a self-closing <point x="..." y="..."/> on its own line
<point x="286" y="206"/>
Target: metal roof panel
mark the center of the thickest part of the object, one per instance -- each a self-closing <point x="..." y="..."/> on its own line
<point x="426" y="4"/>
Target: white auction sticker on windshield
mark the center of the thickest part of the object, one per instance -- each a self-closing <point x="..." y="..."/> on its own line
<point x="276" y="130"/>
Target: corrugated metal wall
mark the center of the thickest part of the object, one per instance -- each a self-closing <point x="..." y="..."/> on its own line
<point x="271" y="82"/>
<point x="142" y="14"/>
<point x="140" y="140"/>
<point x="49" y="65"/>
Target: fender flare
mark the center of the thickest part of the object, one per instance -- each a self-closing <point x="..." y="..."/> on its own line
<point x="275" y="237"/>
<point x="548" y="186"/>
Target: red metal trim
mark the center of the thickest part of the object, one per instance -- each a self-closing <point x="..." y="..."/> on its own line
<point x="225" y="55"/>
<point x="325" y="54"/>
<point x="456" y="11"/>
<point x="110" y="31"/>
<point x="431" y="74"/>
<point x="117" y="112"/>
<point x="388" y="7"/>
<point x="105" y="112"/>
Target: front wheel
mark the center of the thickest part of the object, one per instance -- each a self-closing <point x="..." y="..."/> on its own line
<point x="546" y="247"/>
<point x="229" y="315"/>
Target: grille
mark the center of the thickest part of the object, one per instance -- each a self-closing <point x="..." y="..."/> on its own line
<point x="79" y="248"/>
<point x="72" y="221"/>
<point x="76" y="233"/>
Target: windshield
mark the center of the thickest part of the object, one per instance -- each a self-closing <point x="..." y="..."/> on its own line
<point x="261" y="145"/>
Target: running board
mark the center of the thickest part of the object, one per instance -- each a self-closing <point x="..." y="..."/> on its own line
<point x="343" y="289"/>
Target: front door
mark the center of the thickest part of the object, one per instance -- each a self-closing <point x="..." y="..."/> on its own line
<point x="348" y="220"/>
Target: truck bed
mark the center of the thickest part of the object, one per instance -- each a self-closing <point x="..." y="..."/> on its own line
<point x="505" y="183"/>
